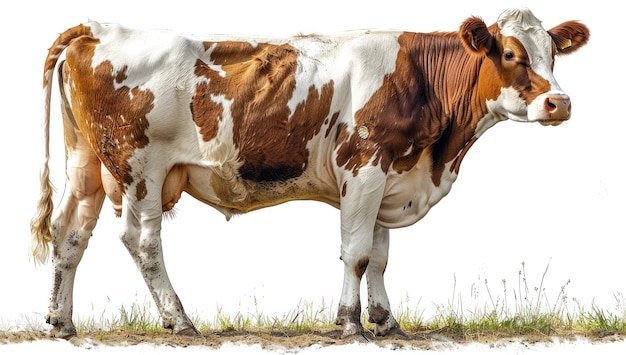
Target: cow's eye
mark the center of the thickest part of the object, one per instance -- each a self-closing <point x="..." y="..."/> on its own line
<point x="509" y="56"/>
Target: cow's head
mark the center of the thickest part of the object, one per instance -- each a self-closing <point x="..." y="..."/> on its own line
<point x="516" y="78"/>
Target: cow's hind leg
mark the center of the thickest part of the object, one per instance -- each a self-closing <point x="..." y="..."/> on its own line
<point x="379" y="309"/>
<point x="71" y="230"/>
<point x="142" y="215"/>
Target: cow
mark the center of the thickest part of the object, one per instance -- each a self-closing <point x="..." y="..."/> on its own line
<point x="374" y="123"/>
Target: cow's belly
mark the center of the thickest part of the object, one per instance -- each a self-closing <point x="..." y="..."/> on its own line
<point x="227" y="192"/>
<point x="409" y="196"/>
<point x="230" y="194"/>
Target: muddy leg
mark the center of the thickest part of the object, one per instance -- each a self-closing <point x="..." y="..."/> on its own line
<point x="379" y="309"/>
<point x="349" y="312"/>
<point x="71" y="230"/>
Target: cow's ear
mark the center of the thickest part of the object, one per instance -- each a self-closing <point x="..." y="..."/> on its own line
<point x="475" y="36"/>
<point x="569" y="36"/>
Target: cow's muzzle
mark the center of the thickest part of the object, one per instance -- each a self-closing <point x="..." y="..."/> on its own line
<point x="558" y="107"/>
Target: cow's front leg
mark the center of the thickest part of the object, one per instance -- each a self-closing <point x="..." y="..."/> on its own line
<point x="379" y="309"/>
<point x="355" y="260"/>
<point x="142" y="238"/>
<point x="359" y="209"/>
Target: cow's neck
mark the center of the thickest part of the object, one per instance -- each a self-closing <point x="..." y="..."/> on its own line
<point x="452" y="103"/>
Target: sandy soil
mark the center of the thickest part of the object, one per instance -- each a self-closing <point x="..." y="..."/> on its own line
<point x="431" y="340"/>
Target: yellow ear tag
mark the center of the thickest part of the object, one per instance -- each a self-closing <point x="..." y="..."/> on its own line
<point x="566" y="44"/>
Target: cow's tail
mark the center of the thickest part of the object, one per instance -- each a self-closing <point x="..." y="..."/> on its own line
<point x="41" y="222"/>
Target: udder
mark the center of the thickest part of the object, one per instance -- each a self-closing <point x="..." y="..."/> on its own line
<point x="173" y="186"/>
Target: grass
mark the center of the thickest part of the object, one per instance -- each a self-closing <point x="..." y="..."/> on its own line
<point x="531" y="313"/>
<point x="306" y="317"/>
<point x="521" y="311"/>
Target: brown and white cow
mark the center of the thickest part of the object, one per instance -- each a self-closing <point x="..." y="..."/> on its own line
<point x="374" y="123"/>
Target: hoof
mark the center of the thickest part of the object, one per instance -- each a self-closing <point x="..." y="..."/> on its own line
<point x="189" y="332"/>
<point x="182" y="326"/>
<point x="62" y="334"/>
<point x="356" y="333"/>
<point x="363" y="337"/>
<point x="389" y="328"/>
<point x="395" y="333"/>
<point x="61" y="330"/>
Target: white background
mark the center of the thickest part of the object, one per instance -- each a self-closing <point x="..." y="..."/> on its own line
<point x="525" y="193"/>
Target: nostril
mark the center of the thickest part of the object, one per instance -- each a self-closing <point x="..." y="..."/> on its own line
<point x="550" y="105"/>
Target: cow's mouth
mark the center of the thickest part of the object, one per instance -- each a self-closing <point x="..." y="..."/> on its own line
<point x="551" y="122"/>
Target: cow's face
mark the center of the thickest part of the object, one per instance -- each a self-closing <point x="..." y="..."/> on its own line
<point x="516" y="78"/>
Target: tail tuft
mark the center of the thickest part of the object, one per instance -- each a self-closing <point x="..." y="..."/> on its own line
<point x="41" y="223"/>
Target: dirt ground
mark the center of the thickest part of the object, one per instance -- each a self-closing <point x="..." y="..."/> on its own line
<point x="428" y="340"/>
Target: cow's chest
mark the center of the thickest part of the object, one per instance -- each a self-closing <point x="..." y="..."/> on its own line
<point x="410" y="195"/>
